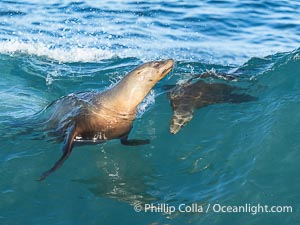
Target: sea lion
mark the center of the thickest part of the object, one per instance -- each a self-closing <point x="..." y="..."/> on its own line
<point x="186" y="97"/>
<point x="98" y="117"/>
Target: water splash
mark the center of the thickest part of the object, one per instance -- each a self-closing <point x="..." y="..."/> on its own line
<point x="146" y="103"/>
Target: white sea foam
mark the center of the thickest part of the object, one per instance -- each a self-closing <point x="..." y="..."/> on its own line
<point x="146" y="103"/>
<point x="73" y="54"/>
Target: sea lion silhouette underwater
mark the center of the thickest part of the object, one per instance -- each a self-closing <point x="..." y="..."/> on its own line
<point x="95" y="118"/>
<point x="185" y="98"/>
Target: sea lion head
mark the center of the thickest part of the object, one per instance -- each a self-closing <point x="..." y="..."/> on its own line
<point x="133" y="88"/>
<point x="154" y="71"/>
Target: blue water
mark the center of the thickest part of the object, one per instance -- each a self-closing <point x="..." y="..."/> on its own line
<point x="229" y="154"/>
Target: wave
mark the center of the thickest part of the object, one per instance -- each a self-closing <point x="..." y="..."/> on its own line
<point x="73" y="54"/>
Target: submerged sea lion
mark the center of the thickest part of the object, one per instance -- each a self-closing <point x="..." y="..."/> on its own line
<point x="188" y="96"/>
<point x="98" y="117"/>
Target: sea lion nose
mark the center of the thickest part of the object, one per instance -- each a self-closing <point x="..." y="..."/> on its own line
<point x="170" y="61"/>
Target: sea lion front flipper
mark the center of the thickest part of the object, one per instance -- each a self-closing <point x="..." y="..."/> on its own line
<point x="133" y="142"/>
<point x="67" y="149"/>
<point x="181" y="117"/>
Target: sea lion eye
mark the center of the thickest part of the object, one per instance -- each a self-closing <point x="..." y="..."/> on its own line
<point x="156" y="64"/>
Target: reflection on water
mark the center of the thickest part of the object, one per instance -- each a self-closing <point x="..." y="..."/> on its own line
<point x="123" y="175"/>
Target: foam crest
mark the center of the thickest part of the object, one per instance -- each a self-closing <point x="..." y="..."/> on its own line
<point x="74" y="54"/>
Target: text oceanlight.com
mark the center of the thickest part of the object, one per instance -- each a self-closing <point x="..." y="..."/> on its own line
<point x="252" y="209"/>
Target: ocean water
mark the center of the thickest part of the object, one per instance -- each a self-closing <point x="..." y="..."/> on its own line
<point x="228" y="155"/>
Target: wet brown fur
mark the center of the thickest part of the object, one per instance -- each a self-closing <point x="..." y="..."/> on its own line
<point x="186" y="97"/>
<point x="96" y="118"/>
